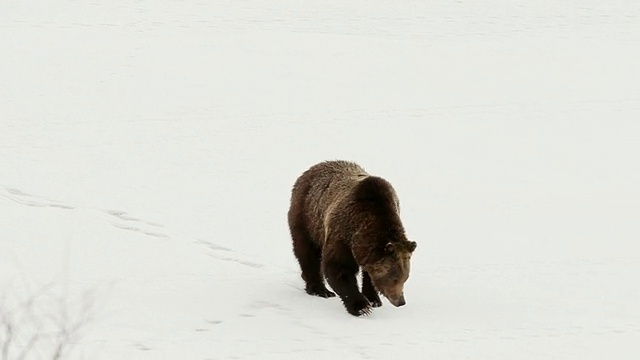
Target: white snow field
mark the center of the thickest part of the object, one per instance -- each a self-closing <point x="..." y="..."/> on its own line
<point x="148" y="149"/>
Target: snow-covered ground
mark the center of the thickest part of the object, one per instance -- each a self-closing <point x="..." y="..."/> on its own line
<point x="148" y="148"/>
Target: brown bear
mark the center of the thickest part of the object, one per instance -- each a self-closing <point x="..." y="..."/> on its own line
<point x="342" y="220"/>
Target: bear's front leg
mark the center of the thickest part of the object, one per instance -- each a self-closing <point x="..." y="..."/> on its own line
<point x="343" y="280"/>
<point x="369" y="291"/>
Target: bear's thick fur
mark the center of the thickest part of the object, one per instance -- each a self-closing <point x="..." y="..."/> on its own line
<point x="342" y="220"/>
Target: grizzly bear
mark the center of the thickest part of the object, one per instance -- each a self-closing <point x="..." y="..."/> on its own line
<point x="342" y="220"/>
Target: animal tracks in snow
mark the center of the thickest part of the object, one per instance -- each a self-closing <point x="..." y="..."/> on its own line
<point x="124" y="221"/>
<point x="23" y="198"/>
<point x="119" y="219"/>
<point x="225" y="254"/>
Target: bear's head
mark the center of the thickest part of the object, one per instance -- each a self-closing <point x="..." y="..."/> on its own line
<point x="390" y="270"/>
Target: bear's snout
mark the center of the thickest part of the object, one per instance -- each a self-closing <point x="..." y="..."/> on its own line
<point x="398" y="302"/>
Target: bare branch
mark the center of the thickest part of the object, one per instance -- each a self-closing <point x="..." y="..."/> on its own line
<point x="33" y="326"/>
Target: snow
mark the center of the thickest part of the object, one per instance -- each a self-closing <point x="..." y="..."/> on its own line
<point x="148" y="149"/>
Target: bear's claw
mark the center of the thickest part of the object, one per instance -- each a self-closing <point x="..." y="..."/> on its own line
<point x="359" y="307"/>
<point x="320" y="291"/>
<point x="374" y="299"/>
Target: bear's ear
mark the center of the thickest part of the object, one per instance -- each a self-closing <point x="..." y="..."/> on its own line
<point x="389" y="248"/>
<point x="412" y="246"/>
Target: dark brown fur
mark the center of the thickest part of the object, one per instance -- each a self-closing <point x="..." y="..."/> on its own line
<point x="343" y="220"/>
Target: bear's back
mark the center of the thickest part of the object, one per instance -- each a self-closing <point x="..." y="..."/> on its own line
<point x="319" y="189"/>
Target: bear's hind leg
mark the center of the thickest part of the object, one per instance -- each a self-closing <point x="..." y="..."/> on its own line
<point x="369" y="291"/>
<point x="309" y="257"/>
